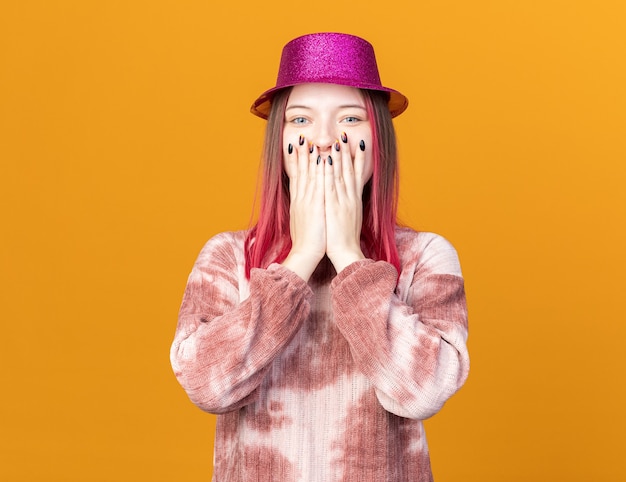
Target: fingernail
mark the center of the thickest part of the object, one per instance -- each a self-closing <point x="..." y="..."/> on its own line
<point x="337" y="146"/>
<point x="311" y="148"/>
<point x="319" y="159"/>
<point x="362" y="145"/>
<point x="301" y="140"/>
<point x="344" y="138"/>
<point x="289" y="148"/>
<point x="330" y="161"/>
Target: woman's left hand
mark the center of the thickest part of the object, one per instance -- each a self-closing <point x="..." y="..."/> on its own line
<point x="344" y="179"/>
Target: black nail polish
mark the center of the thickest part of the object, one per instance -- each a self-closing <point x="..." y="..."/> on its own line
<point x="319" y="159"/>
<point x="330" y="161"/>
<point x="344" y="137"/>
<point x="289" y="148"/>
<point x="311" y="147"/>
<point x="301" y="140"/>
<point x="362" y="145"/>
<point x="337" y="146"/>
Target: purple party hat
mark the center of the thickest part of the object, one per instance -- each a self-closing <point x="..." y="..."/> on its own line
<point x="329" y="58"/>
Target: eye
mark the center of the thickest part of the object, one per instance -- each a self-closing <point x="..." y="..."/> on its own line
<point x="351" y="120"/>
<point x="299" y="120"/>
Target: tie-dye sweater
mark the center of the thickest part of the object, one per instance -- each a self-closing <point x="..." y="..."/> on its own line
<point x="327" y="380"/>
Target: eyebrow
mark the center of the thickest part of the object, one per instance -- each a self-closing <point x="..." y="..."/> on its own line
<point x="347" y="106"/>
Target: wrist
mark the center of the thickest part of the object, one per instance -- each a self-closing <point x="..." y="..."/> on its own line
<point x="301" y="264"/>
<point x="344" y="259"/>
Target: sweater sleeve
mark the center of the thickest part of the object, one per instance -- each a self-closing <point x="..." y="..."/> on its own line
<point x="413" y="349"/>
<point x="223" y="346"/>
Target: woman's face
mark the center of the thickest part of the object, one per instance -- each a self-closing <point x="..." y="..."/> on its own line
<point x="321" y="113"/>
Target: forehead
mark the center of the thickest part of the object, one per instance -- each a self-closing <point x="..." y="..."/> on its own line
<point x="320" y="94"/>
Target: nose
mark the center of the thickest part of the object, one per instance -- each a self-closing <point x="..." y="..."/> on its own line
<point x="324" y="136"/>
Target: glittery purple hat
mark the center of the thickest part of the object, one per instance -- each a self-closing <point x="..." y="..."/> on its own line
<point x="329" y="58"/>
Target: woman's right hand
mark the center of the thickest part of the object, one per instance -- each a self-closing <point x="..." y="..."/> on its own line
<point x="307" y="213"/>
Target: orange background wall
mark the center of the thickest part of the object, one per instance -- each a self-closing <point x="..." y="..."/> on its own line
<point x="125" y="143"/>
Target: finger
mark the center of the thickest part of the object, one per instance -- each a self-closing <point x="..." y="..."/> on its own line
<point x="292" y="168"/>
<point x="302" y="154"/>
<point x="316" y="171"/>
<point x="343" y="170"/>
<point x="290" y="160"/>
<point x="311" y="153"/>
<point x="359" y="164"/>
<point x="330" y="189"/>
<point x="300" y="150"/>
<point x="347" y="162"/>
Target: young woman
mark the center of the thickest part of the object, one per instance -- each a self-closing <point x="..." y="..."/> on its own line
<point x="324" y="335"/>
